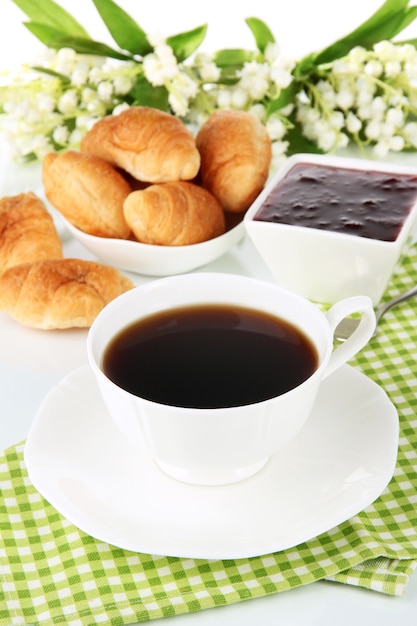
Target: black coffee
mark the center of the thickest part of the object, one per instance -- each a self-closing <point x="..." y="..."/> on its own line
<point x="209" y="356"/>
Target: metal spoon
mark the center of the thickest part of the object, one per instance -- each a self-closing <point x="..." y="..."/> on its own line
<point x="346" y="327"/>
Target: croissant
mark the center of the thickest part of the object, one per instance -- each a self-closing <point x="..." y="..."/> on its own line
<point x="236" y="152"/>
<point x="27" y="231"/>
<point x="87" y="191"/>
<point x="151" y="145"/>
<point x="59" y="293"/>
<point x="174" y="214"/>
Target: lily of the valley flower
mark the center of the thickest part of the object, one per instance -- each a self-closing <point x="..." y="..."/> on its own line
<point x="366" y="96"/>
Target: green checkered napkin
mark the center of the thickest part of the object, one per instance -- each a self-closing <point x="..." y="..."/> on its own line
<point x="51" y="573"/>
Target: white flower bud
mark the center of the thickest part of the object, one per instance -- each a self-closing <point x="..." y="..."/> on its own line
<point x="88" y="95"/>
<point x="120" y="108"/>
<point x="209" y="72"/>
<point x="272" y="52"/>
<point x="155" y="39"/>
<point x="178" y="103"/>
<point x="259" y="111"/>
<point x="95" y="75"/>
<point x="358" y="54"/>
<point x="381" y="149"/>
<point x="255" y="86"/>
<point x="275" y="128"/>
<point x="384" y="50"/>
<point x="410" y="69"/>
<point x="79" y="77"/>
<point x="66" y="54"/>
<point x="396" y="143"/>
<point x="152" y="70"/>
<point x="122" y="85"/>
<point x="279" y="148"/>
<point x="395" y="117"/>
<point x="240" y="98"/>
<point x="407" y="52"/>
<point x="278" y="161"/>
<point x="374" y="68"/>
<point x="224" y="99"/>
<point x="68" y="102"/>
<point x="373" y="130"/>
<point x="45" y="102"/>
<point x="410" y="133"/>
<point x="41" y="146"/>
<point x="345" y="99"/>
<point x="166" y="55"/>
<point x="84" y="121"/>
<point x="365" y="112"/>
<point x="105" y="90"/>
<point x="378" y="106"/>
<point x="60" y="135"/>
<point x="387" y="130"/>
<point x="341" y="66"/>
<point x="353" y="123"/>
<point x="327" y="140"/>
<point x="336" y="120"/>
<point x="281" y="77"/>
<point x="392" y="68"/>
<point x="97" y="109"/>
<point x="75" y="137"/>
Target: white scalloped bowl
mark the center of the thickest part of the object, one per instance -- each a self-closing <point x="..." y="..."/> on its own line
<point x="153" y="260"/>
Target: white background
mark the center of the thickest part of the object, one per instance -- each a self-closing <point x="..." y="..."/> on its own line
<point x="299" y="26"/>
<point x="29" y="367"/>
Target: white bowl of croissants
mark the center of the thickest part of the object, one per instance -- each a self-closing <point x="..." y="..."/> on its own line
<point x="142" y="194"/>
<point x="146" y="195"/>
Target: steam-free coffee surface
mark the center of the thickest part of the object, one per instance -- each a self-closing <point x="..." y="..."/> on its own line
<point x="209" y="356"/>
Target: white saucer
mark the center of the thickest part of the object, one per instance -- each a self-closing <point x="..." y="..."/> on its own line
<point x="339" y="464"/>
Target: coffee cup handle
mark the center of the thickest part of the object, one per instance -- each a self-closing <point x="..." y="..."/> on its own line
<point x="359" y="338"/>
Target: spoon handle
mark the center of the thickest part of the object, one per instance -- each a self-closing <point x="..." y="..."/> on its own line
<point x="403" y="296"/>
<point x="348" y="325"/>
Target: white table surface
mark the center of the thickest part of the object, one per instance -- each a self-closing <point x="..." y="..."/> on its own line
<point x="31" y="362"/>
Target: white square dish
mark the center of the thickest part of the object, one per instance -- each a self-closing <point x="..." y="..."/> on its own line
<point x="328" y="265"/>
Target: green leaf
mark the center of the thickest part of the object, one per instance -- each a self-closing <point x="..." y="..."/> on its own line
<point x="286" y="97"/>
<point x="298" y="143"/>
<point x="56" y="39"/>
<point x="46" y="34"/>
<point x="305" y="66"/>
<point x="43" y="70"/>
<point x="231" y="61"/>
<point x="144" y="94"/>
<point x="124" y="30"/>
<point x="88" y="46"/>
<point x="51" y="14"/>
<point x="412" y="42"/>
<point x="261" y="32"/>
<point x="185" y="44"/>
<point x="233" y="57"/>
<point x="408" y="18"/>
<point x="389" y="20"/>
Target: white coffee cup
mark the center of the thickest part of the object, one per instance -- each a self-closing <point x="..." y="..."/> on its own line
<point x="221" y="445"/>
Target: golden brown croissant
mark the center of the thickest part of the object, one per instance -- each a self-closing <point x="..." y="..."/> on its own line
<point x="151" y="145"/>
<point x="27" y="231"/>
<point x="236" y="152"/>
<point x="174" y="214"/>
<point x="59" y="293"/>
<point x="88" y="191"/>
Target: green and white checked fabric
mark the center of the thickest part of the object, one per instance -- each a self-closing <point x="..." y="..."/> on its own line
<point x="52" y="573"/>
